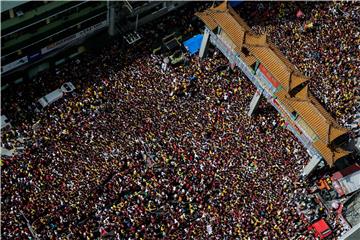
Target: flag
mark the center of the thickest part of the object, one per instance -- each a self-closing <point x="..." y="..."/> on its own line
<point x="102" y="231"/>
<point x="308" y="25"/>
<point x="299" y="14"/>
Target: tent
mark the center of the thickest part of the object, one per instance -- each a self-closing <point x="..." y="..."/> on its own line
<point x="234" y="4"/>
<point x="193" y="44"/>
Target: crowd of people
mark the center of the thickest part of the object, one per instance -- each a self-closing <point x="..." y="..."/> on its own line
<point x="141" y="153"/>
<point x="320" y="39"/>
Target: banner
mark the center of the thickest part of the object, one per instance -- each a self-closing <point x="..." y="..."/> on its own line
<point x="73" y="37"/>
<point x="35" y="56"/>
<point x="91" y="29"/>
<point x="14" y="64"/>
<point x="308" y="25"/>
<point x="58" y="44"/>
<point x="268" y="76"/>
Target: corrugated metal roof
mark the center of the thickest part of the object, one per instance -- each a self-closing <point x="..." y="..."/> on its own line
<point x="322" y="110"/>
<point x="283" y="98"/>
<point x="239" y="19"/>
<point x="281" y="56"/>
<point x="311" y="115"/>
<point x="296" y="79"/>
<point x="232" y="28"/>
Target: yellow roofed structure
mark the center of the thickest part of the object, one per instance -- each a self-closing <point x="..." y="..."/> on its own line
<point x="330" y="155"/>
<point x="221" y="17"/>
<point x="294" y="94"/>
<point x="316" y="116"/>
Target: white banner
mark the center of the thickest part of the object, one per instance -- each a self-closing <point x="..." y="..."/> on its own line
<point x="56" y="45"/>
<point x="73" y="37"/>
<point x="91" y="29"/>
<point x="14" y="64"/>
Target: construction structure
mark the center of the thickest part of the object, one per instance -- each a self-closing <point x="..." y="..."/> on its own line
<point x="278" y="80"/>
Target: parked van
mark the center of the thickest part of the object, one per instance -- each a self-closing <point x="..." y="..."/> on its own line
<point x="56" y="94"/>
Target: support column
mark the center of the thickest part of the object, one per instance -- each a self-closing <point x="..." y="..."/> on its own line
<point x="11" y="13"/>
<point x="311" y="166"/>
<point x="111" y="18"/>
<point x="33" y="233"/>
<point x="255" y="102"/>
<point x="205" y="43"/>
<point x="137" y="22"/>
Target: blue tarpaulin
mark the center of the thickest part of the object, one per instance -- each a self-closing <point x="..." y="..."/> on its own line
<point x="193" y="44"/>
<point x="235" y="3"/>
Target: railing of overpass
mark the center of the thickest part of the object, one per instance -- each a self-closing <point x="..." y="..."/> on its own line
<point x="234" y="58"/>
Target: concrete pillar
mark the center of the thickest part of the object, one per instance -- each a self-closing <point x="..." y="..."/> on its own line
<point x="111" y="18"/>
<point x="311" y="166"/>
<point x="137" y="22"/>
<point x="11" y="13"/>
<point x="255" y="102"/>
<point x="205" y="43"/>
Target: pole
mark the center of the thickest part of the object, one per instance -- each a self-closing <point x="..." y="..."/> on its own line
<point x="33" y="233"/>
<point x="137" y="20"/>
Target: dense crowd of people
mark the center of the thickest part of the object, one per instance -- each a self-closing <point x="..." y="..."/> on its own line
<point x="141" y="153"/>
<point x="322" y="41"/>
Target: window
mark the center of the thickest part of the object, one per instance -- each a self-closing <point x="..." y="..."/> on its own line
<point x="28" y="6"/>
<point x="294" y="114"/>
<point x="245" y="51"/>
<point x="5" y="16"/>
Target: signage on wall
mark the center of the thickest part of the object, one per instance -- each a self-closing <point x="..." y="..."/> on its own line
<point x="73" y="37"/>
<point x="35" y="56"/>
<point x="56" y="45"/>
<point x="14" y="64"/>
<point x="274" y="83"/>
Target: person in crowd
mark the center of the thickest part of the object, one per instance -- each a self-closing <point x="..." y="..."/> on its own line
<point x="140" y="153"/>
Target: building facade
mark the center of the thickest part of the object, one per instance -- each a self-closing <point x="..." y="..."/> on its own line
<point x="35" y="33"/>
